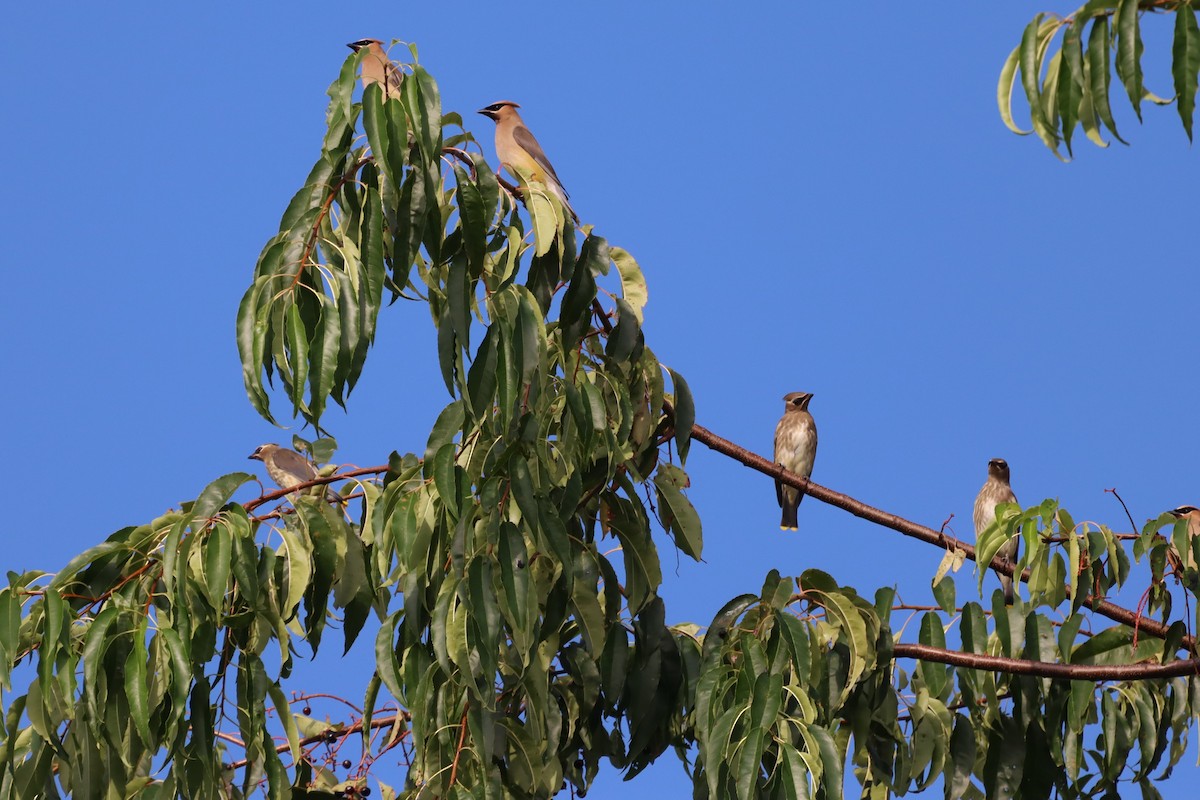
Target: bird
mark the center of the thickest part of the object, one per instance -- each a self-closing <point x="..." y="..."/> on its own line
<point x="996" y="489"/>
<point x="288" y="468"/>
<point x="1182" y="561"/>
<point x="377" y="67"/>
<point x="516" y="148"/>
<point x="795" y="450"/>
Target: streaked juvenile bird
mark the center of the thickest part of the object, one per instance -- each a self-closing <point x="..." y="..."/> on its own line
<point x="288" y="468"/>
<point x="997" y="490"/>
<point x="516" y="147"/>
<point x="796" y="450"/>
<point x="377" y="67"/>
<point x="1181" y="561"/>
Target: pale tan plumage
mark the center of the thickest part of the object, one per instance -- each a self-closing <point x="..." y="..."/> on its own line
<point x="997" y="490"/>
<point x="517" y="148"/>
<point x="796" y="450"/>
<point x="1182" y="561"/>
<point x="377" y="67"/>
<point x="288" y="468"/>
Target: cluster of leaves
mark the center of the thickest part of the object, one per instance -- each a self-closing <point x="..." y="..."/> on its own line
<point x="783" y="699"/>
<point x="525" y="653"/>
<point x="1071" y="87"/>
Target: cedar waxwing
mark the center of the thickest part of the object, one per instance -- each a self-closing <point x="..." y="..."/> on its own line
<point x="1181" y="561"/>
<point x="796" y="450"/>
<point x="997" y="490"/>
<point x="378" y="68"/>
<point x="288" y="468"/>
<point x="516" y="147"/>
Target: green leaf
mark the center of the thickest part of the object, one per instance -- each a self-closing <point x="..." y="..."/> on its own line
<point x="137" y="691"/>
<point x="447" y="427"/>
<point x="1185" y="64"/>
<point x="458" y="296"/>
<point x="387" y="665"/>
<point x="576" y="308"/>
<point x="625" y="336"/>
<point x="545" y="214"/>
<point x="217" y="494"/>
<point x="1004" y="91"/>
<point x="718" y="629"/>
<point x="1098" y="74"/>
<point x="474" y="218"/>
<point x="944" y="590"/>
<point x="794" y="775"/>
<point x="297" y="571"/>
<point x="251" y="341"/>
<point x="962" y="758"/>
<point x="1103" y="642"/>
<point x="633" y="282"/>
<point x="1005" y="760"/>
<point x="481" y="378"/>
<point x="218" y="553"/>
<point x="1129" y="52"/>
<point x="1031" y="51"/>
<point x="685" y="414"/>
<point x="1070" y="82"/>
<point x="831" y="761"/>
<point x="683" y="521"/>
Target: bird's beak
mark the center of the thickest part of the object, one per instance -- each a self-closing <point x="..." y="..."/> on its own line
<point x="254" y="457"/>
<point x="486" y="113"/>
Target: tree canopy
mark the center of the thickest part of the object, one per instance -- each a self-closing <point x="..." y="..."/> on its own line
<point x="512" y="567"/>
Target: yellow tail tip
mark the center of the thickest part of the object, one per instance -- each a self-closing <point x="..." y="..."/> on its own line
<point x="787" y="528"/>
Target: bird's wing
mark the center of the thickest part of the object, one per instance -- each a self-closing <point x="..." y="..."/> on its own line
<point x="526" y="142"/>
<point x="296" y="464"/>
<point x="981" y="512"/>
<point x="778" y="435"/>
<point x="393" y="77"/>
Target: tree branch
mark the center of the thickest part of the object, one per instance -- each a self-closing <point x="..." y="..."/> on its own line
<point x="1048" y="669"/>
<point x="909" y="528"/>
<point x="299" y="487"/>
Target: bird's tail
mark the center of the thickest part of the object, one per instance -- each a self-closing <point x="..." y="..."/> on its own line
<point x="561" y="194"/>
<point x="1006" y="583"/>
<point x="789" y="505"/>
<point x="1009" y="553"/>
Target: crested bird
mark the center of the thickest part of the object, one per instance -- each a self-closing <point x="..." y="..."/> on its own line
<point x="996" y="489"/>
<point x="516" y="147"/>
<point x="1182" y="561"/>
<point x="378" y="68"/>
<point x="288" y="468"/>
<point x="796" y="450"/>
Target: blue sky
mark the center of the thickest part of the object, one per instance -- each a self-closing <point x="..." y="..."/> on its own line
<point x="822" y="198"/>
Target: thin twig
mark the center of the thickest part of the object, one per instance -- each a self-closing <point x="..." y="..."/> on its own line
<point x="1113" y="492"/>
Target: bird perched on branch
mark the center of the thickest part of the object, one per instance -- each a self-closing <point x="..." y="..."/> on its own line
<point x="997" y="490"/>
<point x="288" y="468"/>
<point x="1182" y="561"/>
<point x="516" y="147"/>
<point x="377" y="67"/>
<point x="796" y="450"/>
